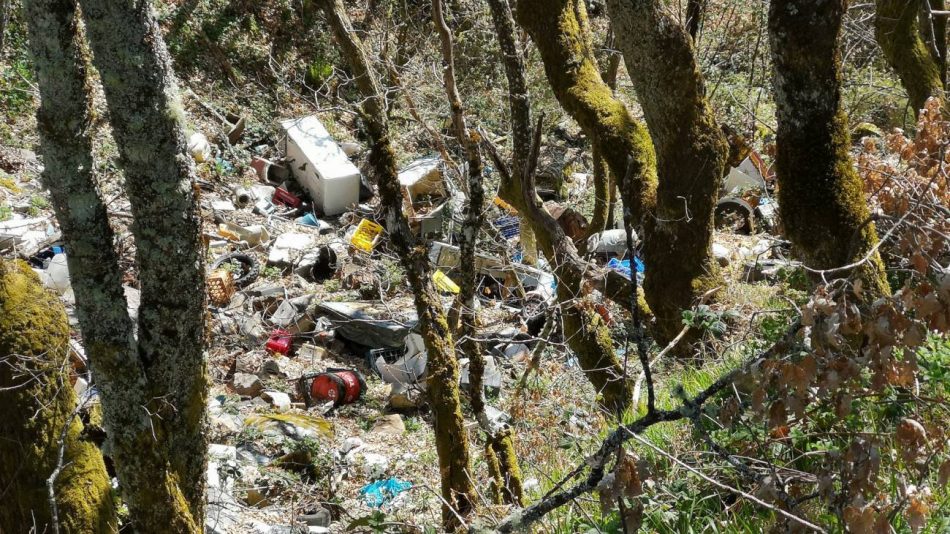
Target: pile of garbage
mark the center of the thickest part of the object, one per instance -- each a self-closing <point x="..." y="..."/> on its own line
<point x="310" y="312"/>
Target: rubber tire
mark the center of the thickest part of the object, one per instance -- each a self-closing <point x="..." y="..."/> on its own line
<point x="250" y="267"/>
<point x="735" y="207"/>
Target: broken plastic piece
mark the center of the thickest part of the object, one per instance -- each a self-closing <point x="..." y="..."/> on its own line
<point x="285" y="197"/>
<point x="382" y="491"/>
<point x="221" y="286"/>
<point x="623" y="267"/>
<point x="444" y="283"/>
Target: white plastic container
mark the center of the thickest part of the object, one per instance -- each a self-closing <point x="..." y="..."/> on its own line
<point x="321" y="166"/>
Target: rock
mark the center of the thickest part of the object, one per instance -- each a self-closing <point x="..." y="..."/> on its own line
<point x="866" y="129"/>
<point x="403" y="400"/>
<point x="248" y="363"/>
<point x="318" y="518"/>
<point x="247" y="385"/>
<point x="769" y="270"/>
<point x="278" y="399"/>
<point x="317" y="530"/>
<point x="351" y="149"/>
<point x="250" y="457"/>
<point x="350" y="444"/>
<point x="517" y="351"/>
<point x="721" y="253"/>
<point x="222" y="452"/>
<point x="276" y="366"/>
<point x="389" y="424"/>
<point x="225" y="424"/>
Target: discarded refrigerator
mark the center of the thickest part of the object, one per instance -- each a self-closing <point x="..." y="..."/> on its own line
<point x="321" y="166"/>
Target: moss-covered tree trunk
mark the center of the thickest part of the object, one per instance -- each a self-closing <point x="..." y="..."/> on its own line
<point x="897" y="31"/>
<point x="442" y="369"/>
<point x="586" y="333"/>
<point x="691" y="152"/>
<point x="153" y="384"/>
<point x="559" y="29"/>
<point x="500" y="451"/>
<point x="38" y="419"/>
<point x="821" y="199"/>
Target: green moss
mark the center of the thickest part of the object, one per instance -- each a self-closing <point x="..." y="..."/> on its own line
<point x="34" y="412"/>
<point x="897" y="33"/>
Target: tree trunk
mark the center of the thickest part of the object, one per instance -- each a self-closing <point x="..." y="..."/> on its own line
<point x="695" y="9"/>
<point x="691" y="152"/>
<point x="559" y="29"/>
<point x="153" y="384"/>
<point x="897" y="31"/>
<point x="442" y="368"/>
<point x="148" y="126"/>
<point x="821" y="201"/>
<point x="38" y="419"/>
<point x="586" y="334"/>
<point x="505" y="471"/>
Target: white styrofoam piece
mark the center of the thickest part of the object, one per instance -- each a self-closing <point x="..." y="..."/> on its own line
<point x="321" y="166"/>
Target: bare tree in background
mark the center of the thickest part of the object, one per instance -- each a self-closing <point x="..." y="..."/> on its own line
<point x="152" y="376"/>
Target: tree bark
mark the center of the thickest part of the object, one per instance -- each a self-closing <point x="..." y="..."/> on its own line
<point x="821" y="200"/>
<point x="505" y="471"/>
<point x="691" y="153"/>
<point x="586" y="333"/>
<point x="38" y="419"/>
<point x="148" y="125"/>
<point x="559" y="29"/>
<point x="153" y="384"/>
<point x="695" y="9"/>
<point x="442" y="368"/>
<point x="897" y="31"/>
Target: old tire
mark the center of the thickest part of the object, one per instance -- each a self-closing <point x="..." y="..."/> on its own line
<point x="245" y="267"/>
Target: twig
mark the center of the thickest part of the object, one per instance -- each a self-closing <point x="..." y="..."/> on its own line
<point x="720" y="485"/>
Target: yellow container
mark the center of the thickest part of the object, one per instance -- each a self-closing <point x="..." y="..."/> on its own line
<point x="444" y="283"/>
<point x="366" y="234"/>
<point x="504" y="205"/>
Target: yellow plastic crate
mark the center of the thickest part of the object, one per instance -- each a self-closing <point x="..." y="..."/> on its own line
<point x="444" y="283"/>
<point x="366" y="234"/>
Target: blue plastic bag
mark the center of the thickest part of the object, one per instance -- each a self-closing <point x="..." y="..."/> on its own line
<point x="623" y="267"/>
<point x="380" y="492"/>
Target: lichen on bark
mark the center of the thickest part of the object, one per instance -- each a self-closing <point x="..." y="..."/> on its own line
<point x="821" y="199"/>
<point x="37" y="411"/>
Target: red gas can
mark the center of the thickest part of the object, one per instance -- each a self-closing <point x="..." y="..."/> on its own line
<point x="342" y="386"/>
<point x="279" y="341"/>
